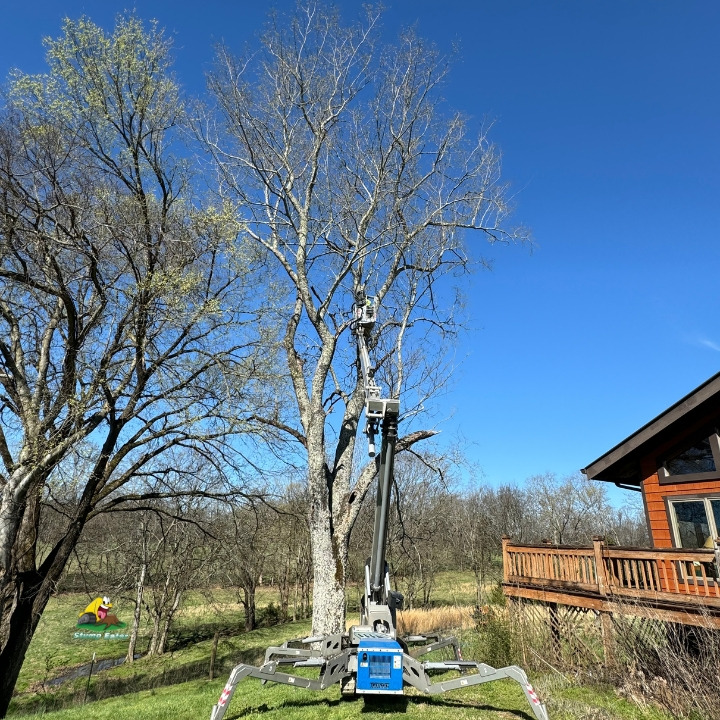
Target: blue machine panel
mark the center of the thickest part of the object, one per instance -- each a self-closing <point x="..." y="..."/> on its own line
<point x="380" y="667"/>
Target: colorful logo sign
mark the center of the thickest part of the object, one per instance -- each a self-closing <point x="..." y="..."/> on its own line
<point x="96" y="621"/>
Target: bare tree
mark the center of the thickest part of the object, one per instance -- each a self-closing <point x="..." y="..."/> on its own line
<point x="248" y="542"/>
<point x="290" y="564"/>
<point x="347" y="174"/>
<point x="627" y="525"/>
<point x="123" y="324"/>
<point x="480" y="536"/>
<point x="420" y="525"/>
<point x="569" y="510"/>
<point x="142" y="557"/>
<point x="179" y="554"/>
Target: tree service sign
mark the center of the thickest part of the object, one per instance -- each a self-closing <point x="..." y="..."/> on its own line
<point x="97" y="622"/>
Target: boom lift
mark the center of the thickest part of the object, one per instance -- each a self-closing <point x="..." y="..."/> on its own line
<point x="370" y="659"/>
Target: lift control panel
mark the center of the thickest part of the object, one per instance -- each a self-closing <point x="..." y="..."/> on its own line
<point x="379" y="667"/>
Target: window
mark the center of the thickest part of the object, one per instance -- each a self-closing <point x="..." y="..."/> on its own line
<point x="692" y="523"/>
<point x="695" y="459"/>
<point x="698" y="460"/>
<point x="695" y="524"/>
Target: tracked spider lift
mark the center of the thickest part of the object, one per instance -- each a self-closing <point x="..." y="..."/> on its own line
<point x="370" y="659"/>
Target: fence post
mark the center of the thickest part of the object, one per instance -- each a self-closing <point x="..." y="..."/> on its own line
<point x="600" y="576"/>
<point x="607" y="631"/>
<point x="506" y="558"/>
<point x="213" y="654"/>
<point x="87" y="685"/>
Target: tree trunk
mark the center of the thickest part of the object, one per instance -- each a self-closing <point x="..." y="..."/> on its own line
<point x="136" y="615"/>
<point x="329" y="547"/>
<point x="478" y="585"/>
<point x="26" y="590"/>
<point x="249" y="604"/>
<point x="27" y="598"/>
<point x="284" y="590"/>
<point x="328" y="583"/>
<point x="330" y="557"/>
<point x="162" y="640"/>
<point x="155" y="637"/>
<point x="295" y="601"/>
<point x="169" y="617"/>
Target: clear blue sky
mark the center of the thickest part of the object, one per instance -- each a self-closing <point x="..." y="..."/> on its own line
<point x="608" y="116"/>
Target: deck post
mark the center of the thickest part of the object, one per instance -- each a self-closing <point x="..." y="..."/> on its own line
<point x="600" y="576"/>
<point x="555" y="629"/>
<point x="506" y="558"/>
<point x="608" y="640"/>
<point x="606" y="624"/>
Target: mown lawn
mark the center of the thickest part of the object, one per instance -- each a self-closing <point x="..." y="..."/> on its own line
<point x="54" y="649"/>
<point x="169" y="694"/>
<point x="504" y="699"/>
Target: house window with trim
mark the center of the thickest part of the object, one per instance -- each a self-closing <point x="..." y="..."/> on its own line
<point x="697" y="460"/>
<point x="695" y="523"/>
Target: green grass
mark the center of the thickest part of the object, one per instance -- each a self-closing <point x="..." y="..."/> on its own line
<point x="54" y="651"/>
<point x="493" y="701"/>
<point x="189" y="662"/>
<point x="175" y="685"/>
<point x="53" y="646"/>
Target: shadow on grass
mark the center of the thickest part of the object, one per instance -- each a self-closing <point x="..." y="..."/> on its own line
<point x="381" y="704"/>
<point x="385" y="704"/>
<point x="449" y="702"/>
<point x="264" y="707"/>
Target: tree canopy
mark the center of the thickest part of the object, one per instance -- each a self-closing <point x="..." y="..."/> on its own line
<point x="350" y="175"/>
<point x="125" y="331"/>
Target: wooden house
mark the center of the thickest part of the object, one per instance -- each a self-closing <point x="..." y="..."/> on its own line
<point x="674" y="461"/>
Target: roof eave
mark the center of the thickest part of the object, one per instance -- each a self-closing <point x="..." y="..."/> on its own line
<point x="607" y="466"/>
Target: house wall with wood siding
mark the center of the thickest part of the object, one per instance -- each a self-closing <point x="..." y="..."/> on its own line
<point x="655" y="495"/>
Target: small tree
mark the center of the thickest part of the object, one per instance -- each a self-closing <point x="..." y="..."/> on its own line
<point x="290" y="563"/>
<point x="248" y="541"/>
<point x="420" y="525"/>
<point x="179" y="554"/>
<point x="479" y="523"/>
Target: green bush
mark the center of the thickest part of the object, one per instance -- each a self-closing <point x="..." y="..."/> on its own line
<point x="270" y="616"/>
<point x="496" y="596"/>
<point x="494" y="640"/>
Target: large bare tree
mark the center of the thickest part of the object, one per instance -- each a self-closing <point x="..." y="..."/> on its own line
<point x="124" y="329"/>
<point x="348" y="174"/>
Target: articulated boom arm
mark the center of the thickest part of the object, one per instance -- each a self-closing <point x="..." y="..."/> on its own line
<point x="377" y="408"/>
<point x="379" y="601"/>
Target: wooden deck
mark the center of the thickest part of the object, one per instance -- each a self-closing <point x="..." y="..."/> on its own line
<point x="675" y="585"/>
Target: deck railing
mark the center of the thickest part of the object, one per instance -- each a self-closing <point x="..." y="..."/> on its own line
<point x="673" y="574"/>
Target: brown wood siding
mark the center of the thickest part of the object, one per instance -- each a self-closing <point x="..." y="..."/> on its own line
<point x="655" y="495"/>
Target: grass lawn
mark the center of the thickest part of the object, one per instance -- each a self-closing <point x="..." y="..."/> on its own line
<point x="53" y="648"/>
<point x="504" y="699"/>
<point x="168" y="686"/>
<point x="54" y="651"/>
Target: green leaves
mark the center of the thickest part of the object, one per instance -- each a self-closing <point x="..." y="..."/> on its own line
<point x="112" y="92"/>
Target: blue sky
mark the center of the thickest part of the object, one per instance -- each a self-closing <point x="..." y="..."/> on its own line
<point x="608" y="116"/>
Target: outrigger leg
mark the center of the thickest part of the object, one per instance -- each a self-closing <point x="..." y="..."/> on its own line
<point x="338" y="663"/>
